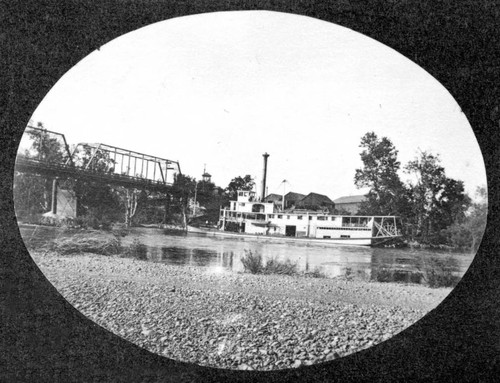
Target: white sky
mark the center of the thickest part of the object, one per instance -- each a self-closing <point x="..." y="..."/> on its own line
<point x="223" y="88"/>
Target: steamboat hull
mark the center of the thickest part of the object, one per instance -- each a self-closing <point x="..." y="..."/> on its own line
<point x="367" y="241"/>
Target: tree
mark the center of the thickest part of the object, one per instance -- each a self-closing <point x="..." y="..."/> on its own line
<point x="45" y="147"/>
<point x="468" y="233"/>
<point x="182" y="191"/>
<point x="94" y="159"/>
<point x="239" y="183"/>
<point x="152" y="207"/>
<point x="387" y="195"/>
<point x="476" y="221"/>
<point x="204" y="192"/>
<point x="437" y="201"/>
<point x="98" y="204"/>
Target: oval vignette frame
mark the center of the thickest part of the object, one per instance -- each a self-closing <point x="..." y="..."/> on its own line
<point x="332" y="369"/>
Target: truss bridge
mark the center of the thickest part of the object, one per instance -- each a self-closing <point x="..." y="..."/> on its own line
<point x="99" y="162"/>
<point x="46" y="153"/>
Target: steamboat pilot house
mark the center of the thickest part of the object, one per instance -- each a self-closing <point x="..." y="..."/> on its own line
<point x="251" y="216"/>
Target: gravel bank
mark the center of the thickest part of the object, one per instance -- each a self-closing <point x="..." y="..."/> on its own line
<point x="238" y="321"/>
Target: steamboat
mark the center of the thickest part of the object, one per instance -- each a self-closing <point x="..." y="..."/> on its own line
<point x="252" y="217"/>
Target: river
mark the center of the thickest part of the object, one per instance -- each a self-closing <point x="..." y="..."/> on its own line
<point x="224" y="254"/>
<point x="356" y="262"/>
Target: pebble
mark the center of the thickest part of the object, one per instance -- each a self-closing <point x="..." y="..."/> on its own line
<point x="255" y="322"/>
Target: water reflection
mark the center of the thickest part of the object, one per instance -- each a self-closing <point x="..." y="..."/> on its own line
<point x="177" y="255"/>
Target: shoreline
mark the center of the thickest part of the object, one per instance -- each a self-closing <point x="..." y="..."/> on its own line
<point x="120" y="230"/>
<point x="217" y="318"/>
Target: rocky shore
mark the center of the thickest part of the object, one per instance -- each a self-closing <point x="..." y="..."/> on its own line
<point x="215" y="318"/>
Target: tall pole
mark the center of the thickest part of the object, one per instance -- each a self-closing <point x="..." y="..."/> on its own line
<point x="283" y="198"/>
<point x="195" y="194"/>
<point x="263" y="194"/>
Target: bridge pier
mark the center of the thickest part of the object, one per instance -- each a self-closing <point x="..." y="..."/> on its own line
<point x="55" y="184"/>
<point x="63" y="202"/>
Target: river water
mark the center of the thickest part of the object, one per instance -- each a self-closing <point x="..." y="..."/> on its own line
<point x="357" y="262"/>
<point x="224" y="254"/>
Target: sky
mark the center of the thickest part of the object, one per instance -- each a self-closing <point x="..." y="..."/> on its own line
<point x="221" y="89"/>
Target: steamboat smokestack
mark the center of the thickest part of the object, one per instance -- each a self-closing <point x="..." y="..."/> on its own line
<point x="263" y="194"/>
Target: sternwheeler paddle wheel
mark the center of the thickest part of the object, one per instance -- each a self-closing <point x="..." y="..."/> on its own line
<point x="386" y="230"/>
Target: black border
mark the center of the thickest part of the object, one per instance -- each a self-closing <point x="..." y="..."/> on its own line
<point x="43" y="338"/>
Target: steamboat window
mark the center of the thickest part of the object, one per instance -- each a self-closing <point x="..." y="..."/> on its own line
<point x="280" y="216"/>
<point x="287" y="217"/>
<point x="271" y="215"/>
<point x="299" y="217"/>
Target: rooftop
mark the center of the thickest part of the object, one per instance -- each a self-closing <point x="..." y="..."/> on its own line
<point x="350" y="199"/>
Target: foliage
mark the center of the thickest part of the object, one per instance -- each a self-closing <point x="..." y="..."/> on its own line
<point x="99" y="204"/>
<point x="133" y="200"/>
<point x="432" y="205"/>
<point x="468" y="233"/>
<point x="88" y="243"/>
<point x="45" y="147"/>
<point x="205" y="192"/>
<point x="477" y="219"/>
<point x="387" y="195"/>
<point x="275" y="266"/>
<point x="210" y="198"/>
<point x="252" y="262"/>
<point x="152" y="212"/>
<point x="94" y="159"/>
<point x="212" y="207"/>
<point x="239" y="183"/>
<point x="183" y="190"/>
<point x="458" y="236"/>
<point x="437" y="201"/>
